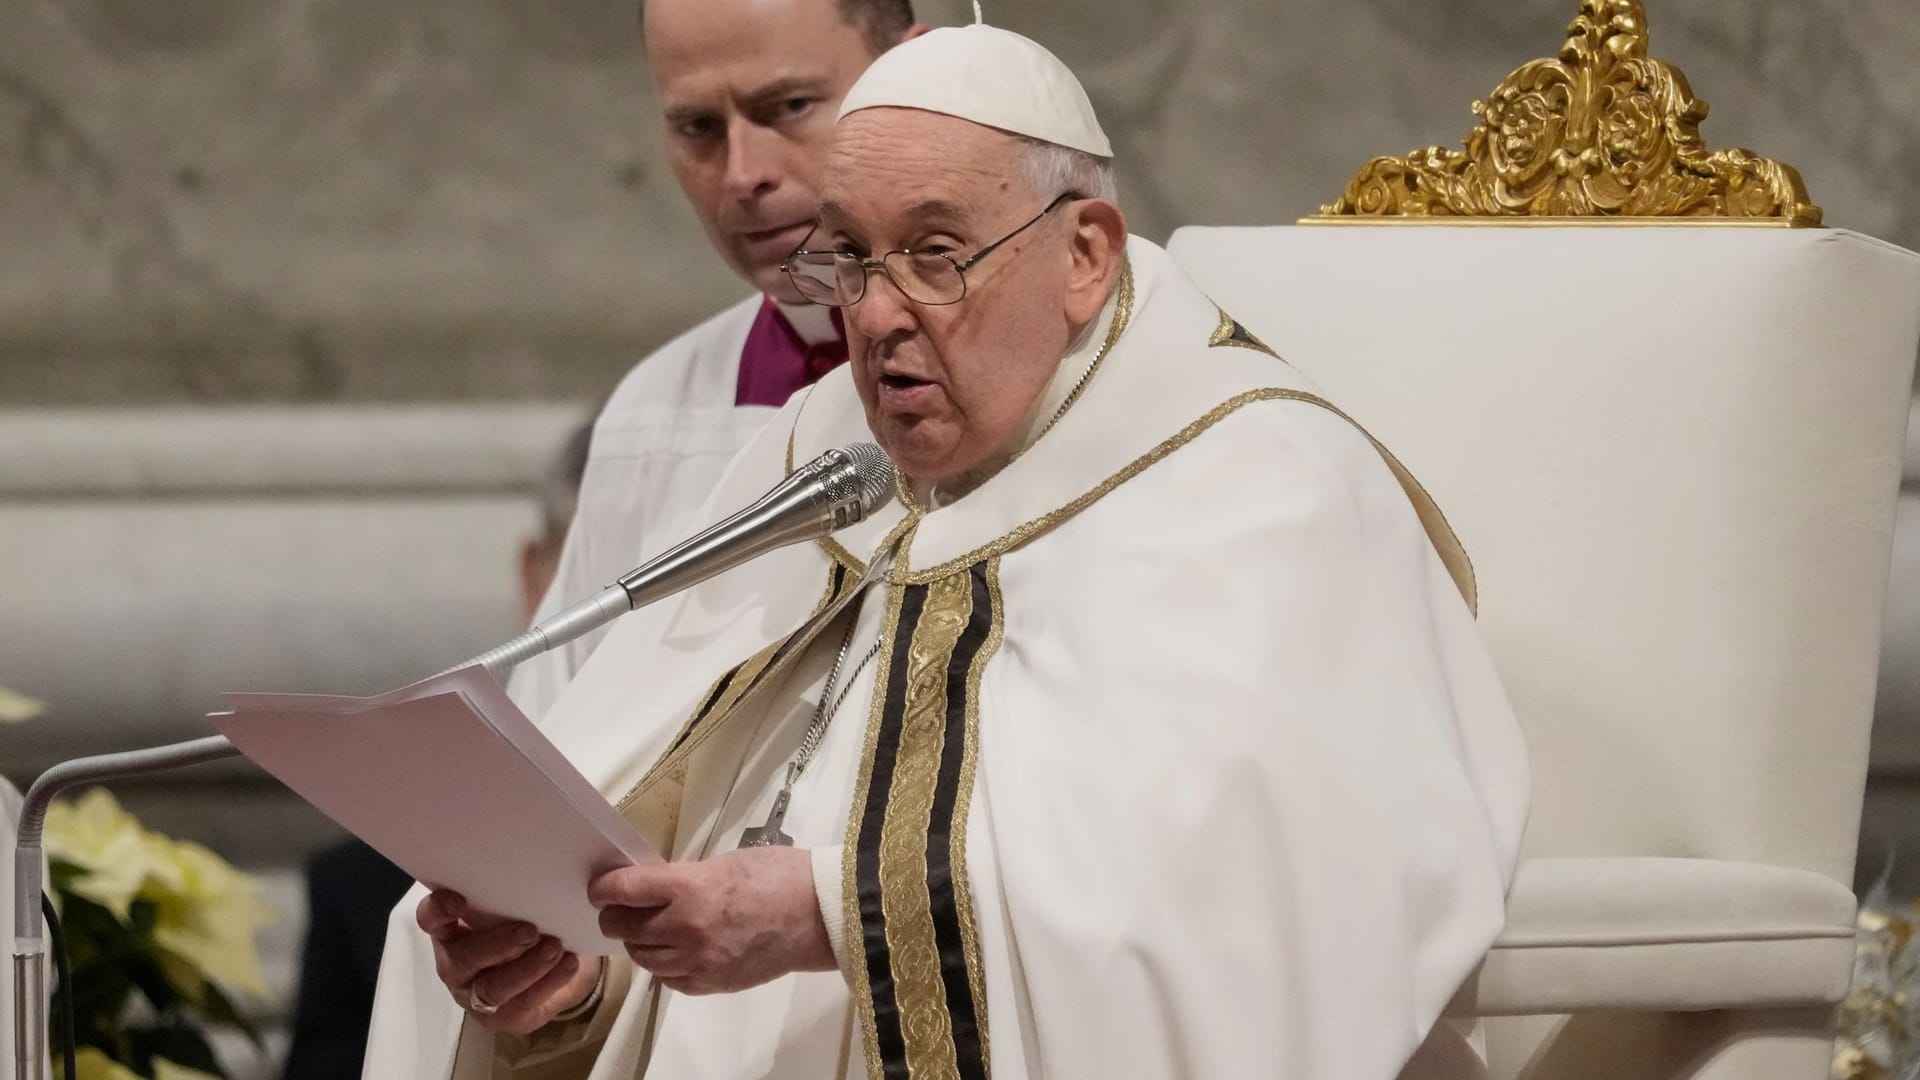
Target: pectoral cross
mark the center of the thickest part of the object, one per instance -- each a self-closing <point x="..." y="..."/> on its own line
<point x="769" y="835"/>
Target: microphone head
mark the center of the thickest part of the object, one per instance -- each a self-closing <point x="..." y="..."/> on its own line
<point x="875" y="470"/>
<point x="858" y="480"/>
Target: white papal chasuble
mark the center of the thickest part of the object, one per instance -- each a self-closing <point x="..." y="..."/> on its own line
<point x="1178" y="756"/>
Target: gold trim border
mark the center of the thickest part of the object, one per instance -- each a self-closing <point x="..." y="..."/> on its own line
<point x="858" y="978"/>
<point x="963" y="811"/>
<point x="1440" y="531"/>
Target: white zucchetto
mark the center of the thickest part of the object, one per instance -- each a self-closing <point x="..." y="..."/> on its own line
<point x="986" y="75"/>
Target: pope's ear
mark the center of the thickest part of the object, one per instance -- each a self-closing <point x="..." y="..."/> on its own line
<point x="1099" y="246"/>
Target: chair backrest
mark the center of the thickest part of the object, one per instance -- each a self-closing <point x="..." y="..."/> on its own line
<point x="1673" y="454"/>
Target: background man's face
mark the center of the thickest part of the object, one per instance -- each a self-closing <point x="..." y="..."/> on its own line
<point x="946" y="387"/>
<point x="748" y="90"/>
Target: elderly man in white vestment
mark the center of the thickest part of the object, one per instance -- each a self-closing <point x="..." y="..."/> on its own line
<point x="1148" y="734"/>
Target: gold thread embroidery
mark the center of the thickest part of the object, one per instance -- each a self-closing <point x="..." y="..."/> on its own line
<point x="902" y="851"/>
<point x="842" y="556"/>
<point x="1446" y="542"/>
<point x="1231" y="335"/>
<point x="963" y="808"/>
<point x="1439" y="530"/>
<point x="1122" y="318"/>
<point x="794" y="429"/>
<point x="903" y="491"/>
<point x="919" y="991"/>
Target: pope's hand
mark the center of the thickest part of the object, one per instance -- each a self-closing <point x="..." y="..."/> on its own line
<point x="513" y="979"/>
<point x="723" y="924"/>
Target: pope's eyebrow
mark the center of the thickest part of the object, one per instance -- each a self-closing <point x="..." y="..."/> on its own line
<point x="927" y="213"/>
<point x="936" y="212"/>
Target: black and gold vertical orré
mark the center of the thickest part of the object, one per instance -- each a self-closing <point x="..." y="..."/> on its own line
<point x="913" y="943"/>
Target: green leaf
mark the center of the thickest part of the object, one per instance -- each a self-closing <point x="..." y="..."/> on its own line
<point x="145" y="915"/>
<point x="179" y="1043"/>
<point x="146" y="973"/>
<point x="61" y="874"/>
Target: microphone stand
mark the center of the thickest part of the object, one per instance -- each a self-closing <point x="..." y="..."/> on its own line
<point x="29" y="950"/>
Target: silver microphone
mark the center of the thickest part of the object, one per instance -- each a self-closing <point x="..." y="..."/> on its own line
<point x="837" y="489"/>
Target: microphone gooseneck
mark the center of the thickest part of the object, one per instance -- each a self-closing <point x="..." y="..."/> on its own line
<point x="837" y="489"/>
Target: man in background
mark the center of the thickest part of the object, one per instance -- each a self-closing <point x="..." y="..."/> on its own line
<point x="748" y="91"/>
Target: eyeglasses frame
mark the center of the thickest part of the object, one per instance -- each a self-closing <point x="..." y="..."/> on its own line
<point x="868" y="266"/>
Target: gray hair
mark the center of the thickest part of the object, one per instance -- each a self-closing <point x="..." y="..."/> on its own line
<point x="1053" y="169"/>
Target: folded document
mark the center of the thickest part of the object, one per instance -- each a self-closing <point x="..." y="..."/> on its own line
<point x="450" y="780"/>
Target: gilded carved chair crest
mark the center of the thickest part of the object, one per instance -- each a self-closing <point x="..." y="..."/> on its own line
<point x="1600" y="132"/>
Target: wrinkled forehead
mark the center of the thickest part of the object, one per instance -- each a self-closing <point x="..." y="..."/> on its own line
<point x="888" y="165"/>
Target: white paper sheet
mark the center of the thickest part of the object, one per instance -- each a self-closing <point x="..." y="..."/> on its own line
<point x="453" y="783"/>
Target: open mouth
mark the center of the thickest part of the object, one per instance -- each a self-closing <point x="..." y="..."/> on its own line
<point x="902" y="382"/>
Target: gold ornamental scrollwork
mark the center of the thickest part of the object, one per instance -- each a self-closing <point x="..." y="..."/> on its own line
<point x="1602" y="132"/>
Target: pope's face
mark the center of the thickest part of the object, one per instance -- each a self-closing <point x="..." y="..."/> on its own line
<point x="748" y="90"/>
<point x="946" y="387"/>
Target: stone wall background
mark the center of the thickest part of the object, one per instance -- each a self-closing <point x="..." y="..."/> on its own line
<point x="363" y="200"/>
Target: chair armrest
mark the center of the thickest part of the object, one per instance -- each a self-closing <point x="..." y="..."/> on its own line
<point x="1664" y="935"/>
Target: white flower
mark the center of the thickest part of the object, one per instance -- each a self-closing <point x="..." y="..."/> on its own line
<point x="206" y="912"/>
<point x="167" y="1070"/>
<point x="93" y="1064"/>
<point x="208" y="915"/>
<point x="106" y="843"/>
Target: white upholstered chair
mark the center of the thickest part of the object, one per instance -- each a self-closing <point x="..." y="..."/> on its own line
<point x="1673" y="454"/>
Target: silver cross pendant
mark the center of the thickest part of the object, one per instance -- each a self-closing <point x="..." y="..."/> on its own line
<point x="769" y="835"/>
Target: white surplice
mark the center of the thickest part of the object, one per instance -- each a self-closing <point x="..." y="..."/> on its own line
<point x="1180" y="757"/>
<point x="660" y="445"/>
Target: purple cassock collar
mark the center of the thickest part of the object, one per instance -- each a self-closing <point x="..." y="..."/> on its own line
<point x="776" y="360"/>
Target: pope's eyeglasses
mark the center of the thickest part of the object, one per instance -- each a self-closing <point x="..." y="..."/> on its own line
<point x="933" y="278"/>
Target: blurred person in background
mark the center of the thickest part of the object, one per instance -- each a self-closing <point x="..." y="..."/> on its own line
<point x="351" y="887"/>
<point x="559" y="497"/>
<point x="748" y="91"/>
